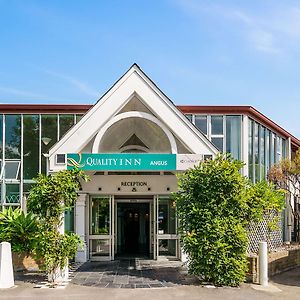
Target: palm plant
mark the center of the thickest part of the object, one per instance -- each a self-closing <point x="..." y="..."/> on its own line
<point x="19" y="229"/>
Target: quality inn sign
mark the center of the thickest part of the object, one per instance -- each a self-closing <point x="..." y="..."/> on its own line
<point x="131" y="161"/>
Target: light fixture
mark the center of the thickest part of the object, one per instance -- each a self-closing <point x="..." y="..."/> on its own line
<point x="46" y="140"/>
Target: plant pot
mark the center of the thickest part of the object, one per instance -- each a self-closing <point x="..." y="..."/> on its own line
<point x="25" y="262"/>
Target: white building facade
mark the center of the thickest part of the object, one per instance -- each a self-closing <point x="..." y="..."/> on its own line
<point x="131" y="143"/>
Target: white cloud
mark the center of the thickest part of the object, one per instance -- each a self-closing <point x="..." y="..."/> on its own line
<point x="17" y="92"/>
<point x="263" y="41"/>
<point x="272" y="31"/>
<point x="78" y="84"/>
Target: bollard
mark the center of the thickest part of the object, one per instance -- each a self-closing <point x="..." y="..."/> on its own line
<point x="6" y="267"/>
<point x="263" y="263"/>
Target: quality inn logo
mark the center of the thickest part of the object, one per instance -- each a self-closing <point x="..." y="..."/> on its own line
<point x="72" y="162"/>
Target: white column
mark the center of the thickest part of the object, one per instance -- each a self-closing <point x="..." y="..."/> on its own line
<point x="81" y="207"/>
<point x="263" y="263"/>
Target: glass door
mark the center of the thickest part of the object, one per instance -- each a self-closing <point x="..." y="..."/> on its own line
<point x="167" y="242"/>
<point x="100" y="228"/>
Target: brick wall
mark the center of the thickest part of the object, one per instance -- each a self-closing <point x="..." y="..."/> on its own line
<point x="277" y="262"/>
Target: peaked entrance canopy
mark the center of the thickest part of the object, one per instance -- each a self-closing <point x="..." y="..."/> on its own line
<point x="133" y="116"/>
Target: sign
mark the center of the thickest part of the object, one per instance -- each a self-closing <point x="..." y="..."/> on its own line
<point x="121" y="162"/>
<point x="187" y="161"/>
<point x="134" y="183"/>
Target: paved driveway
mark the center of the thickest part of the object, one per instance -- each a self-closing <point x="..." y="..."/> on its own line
<point x="133" y="273"/>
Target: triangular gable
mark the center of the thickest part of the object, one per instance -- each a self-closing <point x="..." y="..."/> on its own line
<point x="134" y="81"/>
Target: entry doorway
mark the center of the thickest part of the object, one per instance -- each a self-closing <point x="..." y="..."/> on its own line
<point x="133" y="229"/>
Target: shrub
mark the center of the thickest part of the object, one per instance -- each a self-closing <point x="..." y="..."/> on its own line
<point x="19" y="229"/>
<point x="55" y="248"/>
<point x="214" y="205"/>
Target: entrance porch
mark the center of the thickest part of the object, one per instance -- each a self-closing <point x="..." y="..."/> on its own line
<point x="127" y="226"/>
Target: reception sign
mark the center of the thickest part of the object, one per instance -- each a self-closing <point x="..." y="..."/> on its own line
<point x="121" y="162"/>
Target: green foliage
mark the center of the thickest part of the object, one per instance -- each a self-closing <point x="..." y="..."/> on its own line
<point x="214" y="205"/>
<point x="54" y="248"/>
<point x="48" y="199"/>
<point x="264" y="199"/>
<point x="52" y="194"/>
<point x="19" y="229"/>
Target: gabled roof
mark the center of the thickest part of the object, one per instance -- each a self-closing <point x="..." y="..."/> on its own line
<point x="133" y="82"/>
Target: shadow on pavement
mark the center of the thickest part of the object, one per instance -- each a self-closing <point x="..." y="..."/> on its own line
<point x="290" y="277"/>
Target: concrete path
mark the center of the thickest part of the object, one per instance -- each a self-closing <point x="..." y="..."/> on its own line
<point x="283" y="286"/>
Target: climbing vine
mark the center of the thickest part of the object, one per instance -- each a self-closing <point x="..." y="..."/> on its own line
<point x="48" y="199"/>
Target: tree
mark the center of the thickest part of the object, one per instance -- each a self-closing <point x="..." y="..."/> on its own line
<point x="286" y="175"/>
<point x="215" y="203"/>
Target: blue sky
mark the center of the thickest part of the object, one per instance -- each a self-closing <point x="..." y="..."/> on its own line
<point x="198" y="52"/>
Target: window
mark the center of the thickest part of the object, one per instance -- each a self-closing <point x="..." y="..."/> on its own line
<point x="201" y="123"/>
<point x="166" y="216"/>
<point x="10" y="169"/>
<point x="233" y="136"/>
<point x="12" y="136"/>
<point x="278" y="148"/>
<point x="60" y="158"/>
<point x="217" y="125"/>
<point x="78" y="118"/>
<point x="31" y="133"/>
<point x="217" y="132"/>
<point x="1" y="136"/>
<point x="250" y="149"/>
<point x="48" y="136"/>
<point x="256" y="151"/>
<point x="267" y="150"/>
<point x="262" y="152"/>
<point x="12" y="194"/>
<point x="69" y="220"/>
<point x="283" y="148"/>
<point x="65" y="123"/>
<point x="189" y="117"/>
<point x="100" y="223"/>
<point x="218" y="142"/>
<point x="272" y="148"/>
